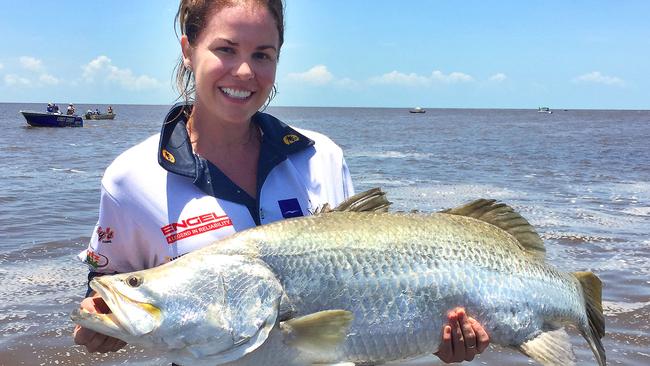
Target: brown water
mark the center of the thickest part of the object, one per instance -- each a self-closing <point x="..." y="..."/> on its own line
<point x="581" y="177"/>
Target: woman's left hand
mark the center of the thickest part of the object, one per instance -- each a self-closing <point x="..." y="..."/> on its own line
<point x="462" y="339"/>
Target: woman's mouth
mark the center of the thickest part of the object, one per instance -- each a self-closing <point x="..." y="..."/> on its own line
<point x="236" y="93"/>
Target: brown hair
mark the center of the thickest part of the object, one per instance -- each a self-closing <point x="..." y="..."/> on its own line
<point x="191" y="19"/>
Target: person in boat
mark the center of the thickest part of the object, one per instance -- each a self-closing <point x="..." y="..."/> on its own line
<point x="109" y="110"/>
<point x="50" y="108"/>
<point x="55" y="109"/>
<point x="220" y="158"/>
<point x="97" y="111"/>
<point x="71" y="109"/>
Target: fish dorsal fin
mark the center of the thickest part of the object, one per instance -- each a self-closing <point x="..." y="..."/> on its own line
<point x="371" y="200"/>
<point x="550" y="348"/>
<point x="318" y="332"/>
<point x="504" y="217"/>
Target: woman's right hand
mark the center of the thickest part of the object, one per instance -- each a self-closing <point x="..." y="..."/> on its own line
<point x="93" y="341"/>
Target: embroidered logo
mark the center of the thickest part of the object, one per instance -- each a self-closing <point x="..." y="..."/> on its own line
<point x="104" y="236"/>
<point x="290" y="208"/>
<point x="95" y="260"/>
<point x="168" y="156"/>
<point x="194" y="226"/>
<point x="290" y="139"/>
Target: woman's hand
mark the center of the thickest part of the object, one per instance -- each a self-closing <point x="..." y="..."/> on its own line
<point x="462" y="339"/>
<point x="96" y="342"/>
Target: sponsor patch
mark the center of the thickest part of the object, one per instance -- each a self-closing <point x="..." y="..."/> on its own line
<point x="290" y="208"/>
<point x="194" y="226"/>
<point x="290" y="139"/>
<point x="104" y="236"/>
<point x="95" y="260"/>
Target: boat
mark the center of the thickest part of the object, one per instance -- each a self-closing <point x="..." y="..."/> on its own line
<point x="47" y="119"/>
<point x="417" y="110"/>
<point x="544" y="110"/>
<point x="99" y="116"/>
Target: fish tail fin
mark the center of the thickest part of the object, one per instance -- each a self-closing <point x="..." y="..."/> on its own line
<point x="550" y="348"/>
<point x="592" y="291"/>
<point x="319" y="331"/>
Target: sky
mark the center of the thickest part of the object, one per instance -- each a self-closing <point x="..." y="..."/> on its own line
<point x="586" y="54"/>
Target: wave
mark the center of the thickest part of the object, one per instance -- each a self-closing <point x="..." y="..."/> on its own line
<point x="67" y="170"/>
<point x="612" y="308"/>
<point x="577" y="238"/>
<point x="390" y="154"/>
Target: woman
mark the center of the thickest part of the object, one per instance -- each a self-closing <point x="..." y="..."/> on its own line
<point x="220" y="166"/>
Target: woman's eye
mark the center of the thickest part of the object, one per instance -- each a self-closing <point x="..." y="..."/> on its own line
<point x="133" y="281"/>
<point x="228" y="50"/>
<point x="262" y="56"/>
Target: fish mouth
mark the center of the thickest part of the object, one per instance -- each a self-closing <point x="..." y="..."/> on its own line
<point x="103" y="323"/>
<point x="126" y="315"/>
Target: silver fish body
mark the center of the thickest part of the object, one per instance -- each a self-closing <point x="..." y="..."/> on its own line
<point x="399" y="274"/>
<point x="362" y="287"/>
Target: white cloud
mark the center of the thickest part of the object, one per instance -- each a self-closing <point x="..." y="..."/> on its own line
<point x="498" y="77"/>
<point x="102" y="68"/>
<point x="454" y="77"/>
<point x="48" y="79"/>
<point x="399" y="78"/>
<point x="413" y="79"/>
<point x="15" y="80"/>
<point x="31" y="64"/>
<point x="317" y="75"/>
<point x="597" y="78"/>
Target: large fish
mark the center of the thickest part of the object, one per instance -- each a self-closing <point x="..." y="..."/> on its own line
<point x="358" y="287"/>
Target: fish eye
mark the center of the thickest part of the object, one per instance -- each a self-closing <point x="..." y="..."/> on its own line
<point x="133" y="281"/>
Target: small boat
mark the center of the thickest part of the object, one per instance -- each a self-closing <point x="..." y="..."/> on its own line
<point x="417" y="110"/>
<point x="544" y="110"/>
<point x="99" y="116"/>
<point x="46" y="119"/>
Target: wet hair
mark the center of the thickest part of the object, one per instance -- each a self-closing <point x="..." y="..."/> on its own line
<point x="191" y="19"/>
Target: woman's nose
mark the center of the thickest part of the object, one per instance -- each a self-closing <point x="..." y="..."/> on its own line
<point x="243" y="71"/>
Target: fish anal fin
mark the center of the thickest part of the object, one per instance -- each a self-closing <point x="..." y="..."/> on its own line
<point x="318" y="332"/>
<point x="504" y="217"/>
<point x="550" y="348"/>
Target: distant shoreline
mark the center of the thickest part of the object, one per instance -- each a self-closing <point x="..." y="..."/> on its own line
<point x="347" y="107"/>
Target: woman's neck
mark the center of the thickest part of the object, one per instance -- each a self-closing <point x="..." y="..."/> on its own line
<point x="210" y="135"/>
<point x="234" y="147"/>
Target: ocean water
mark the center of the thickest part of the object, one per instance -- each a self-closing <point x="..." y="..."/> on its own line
<point x="581" y="177"/>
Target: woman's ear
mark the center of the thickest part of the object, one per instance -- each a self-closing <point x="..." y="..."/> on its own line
<point x="187" y="51"/>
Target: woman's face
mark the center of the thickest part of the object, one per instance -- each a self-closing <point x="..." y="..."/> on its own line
<point x="234" y="60"/>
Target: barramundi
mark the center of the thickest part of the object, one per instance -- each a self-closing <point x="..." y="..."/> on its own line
<point x="355" y="284"/>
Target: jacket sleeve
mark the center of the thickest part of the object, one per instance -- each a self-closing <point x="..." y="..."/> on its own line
<point x="113" y="246"/>
<point x="348" y="187"/>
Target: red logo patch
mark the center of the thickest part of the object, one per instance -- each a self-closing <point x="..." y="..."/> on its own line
<point x="194" y="226"/>
<point x="104" y="236"/>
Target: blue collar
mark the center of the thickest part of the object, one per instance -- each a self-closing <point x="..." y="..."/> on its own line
<point x="175" y="155"/>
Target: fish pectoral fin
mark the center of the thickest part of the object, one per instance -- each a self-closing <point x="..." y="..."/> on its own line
<point x="317" y="332"/>
<point x="550" y="348"/>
